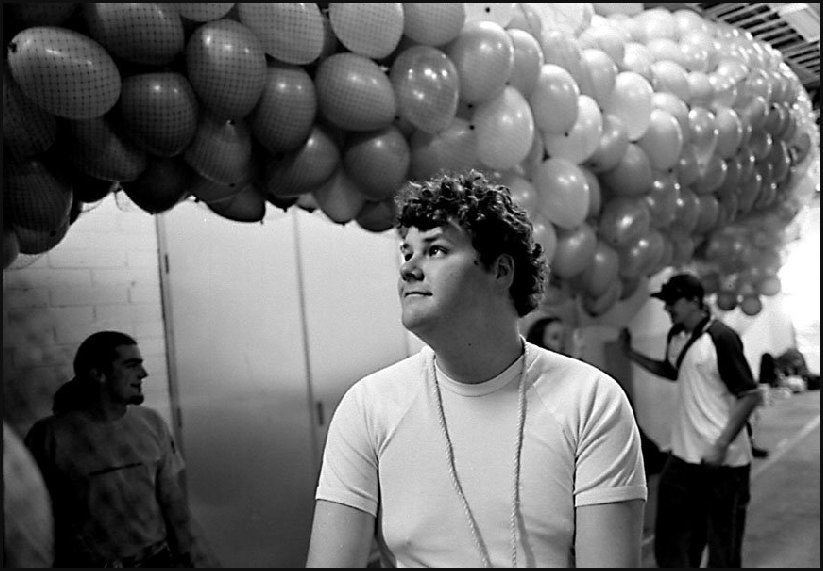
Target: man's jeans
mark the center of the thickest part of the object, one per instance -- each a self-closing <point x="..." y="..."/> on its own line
<point x="699" y="505"/>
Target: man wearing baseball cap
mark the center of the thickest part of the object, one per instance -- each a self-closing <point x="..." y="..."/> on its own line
<point x="704" y="488"/>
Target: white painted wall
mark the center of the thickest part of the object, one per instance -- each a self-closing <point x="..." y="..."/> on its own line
<point x="103" y="275"/>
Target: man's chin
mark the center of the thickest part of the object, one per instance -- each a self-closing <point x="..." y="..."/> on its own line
<point x="137" y="399"/>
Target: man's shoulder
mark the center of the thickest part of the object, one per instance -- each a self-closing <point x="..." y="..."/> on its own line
<point x="395" y="383"/>
<point x="721" y="333"/>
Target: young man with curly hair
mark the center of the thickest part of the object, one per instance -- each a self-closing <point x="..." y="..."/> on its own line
<point x="482" y="449"/>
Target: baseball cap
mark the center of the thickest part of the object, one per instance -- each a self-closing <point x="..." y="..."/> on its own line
<point x="680" y="286"/>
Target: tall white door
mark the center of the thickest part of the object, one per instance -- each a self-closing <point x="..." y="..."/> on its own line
<point x="352" y="309"/>
<point x="238" y="371"/>
<point x="268" y="324"/>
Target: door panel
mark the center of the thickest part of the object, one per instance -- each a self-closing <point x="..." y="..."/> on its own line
<point x="238" y="366"/>
<point x="352" y="309"/>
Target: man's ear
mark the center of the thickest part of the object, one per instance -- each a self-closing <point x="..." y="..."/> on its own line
<point x="504" y="269"/>
<point x="97" y="375"/>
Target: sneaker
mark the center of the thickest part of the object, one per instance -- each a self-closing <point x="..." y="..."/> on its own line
<point x="759" y="452"/>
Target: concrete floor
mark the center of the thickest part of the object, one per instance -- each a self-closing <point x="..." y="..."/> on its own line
<point x="783" y="527"/>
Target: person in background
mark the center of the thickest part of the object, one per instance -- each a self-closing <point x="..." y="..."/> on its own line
<point x="704" y="488"/>
<point x="481" y="450"/>
<point x="111" y="467"/>
<point x="550" y="333"/>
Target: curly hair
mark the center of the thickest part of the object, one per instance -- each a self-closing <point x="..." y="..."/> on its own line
<point x="496" y="224"/>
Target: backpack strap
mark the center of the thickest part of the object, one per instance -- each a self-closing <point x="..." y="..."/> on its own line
<point x="702" y="327"/>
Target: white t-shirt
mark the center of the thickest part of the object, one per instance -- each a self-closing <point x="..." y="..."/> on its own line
<point x="706" y="400"/>
<point x="386" y="449"/>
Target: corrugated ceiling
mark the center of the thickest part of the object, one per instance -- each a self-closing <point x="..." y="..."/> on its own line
<point x="792" y="28"/>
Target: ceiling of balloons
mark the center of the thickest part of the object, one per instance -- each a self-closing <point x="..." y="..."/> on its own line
<point x="638" y="139"/>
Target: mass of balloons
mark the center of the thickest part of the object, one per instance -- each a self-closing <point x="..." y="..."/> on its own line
<point x="637" y="139"/>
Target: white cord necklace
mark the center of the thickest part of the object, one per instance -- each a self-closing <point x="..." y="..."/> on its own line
<point x="521" y="421"/>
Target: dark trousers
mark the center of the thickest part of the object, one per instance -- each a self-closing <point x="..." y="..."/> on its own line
<point x="157" y="556"/>
<point x="697" y="506"/>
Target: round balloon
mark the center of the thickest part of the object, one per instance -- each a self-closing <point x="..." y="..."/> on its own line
<point x="563" y="192"/>
<point x="483" y="54"/>
<point x="339" y="198"/>
<point x="499" y="13"/>
<point x="453" y="148"/>
<point x="676" y="107"/>
<point x="221" y="150"/>
<point x="354" y="94"/>
<point x="285" y="114"/>
<point x="505" y="129"/>
<point x="65" y="72"/>
<point x="433" y="24"/>
<point x="561" y="48"/>
<point x="528" y="61"/>
<point x="290" y="32"/>
<point x="582" y="140"/>
<point x="149" y="33"/>
<point x="555" y="100"/>
<point x="427" y="87"/>
<point x="623" y="220"/>
<point x="602" y="272"/>
<point x="703" y="133"/>
<point x="662" y="199"/>
<point x="633" y="174"/>
<point x="669" y="77"/>
<point x="729" y="132"/>
<point x="376" y="216"/>
<point x="35" y="242"/>
<point x="28" y="129"/>
<point x="100" y="148"/>
<point x="159" y="111"/>
<point x="631" y="102"/>
<point x="160" y="186"/>
<point x="36" y="196"/>
<point x="663" y="140"/>
<point x="599" y="75"/>
<point x="372" y="30"/>
<point x="640" y="256"/>
<point x="305" y="168"/>
<point x="226" y="66"/>
<point x="203" y="11"/>
<point x="247" y="205"/>
<point x="574" y="251"/>
<point x="614" y="139"/>
<point x="378" y="162"/>
<point x="637" y="58"/>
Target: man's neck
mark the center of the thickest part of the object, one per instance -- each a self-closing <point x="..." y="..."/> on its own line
<point x="478" y="359"/>
<point x="107" y="411"/>
<point x="694" y="320"/>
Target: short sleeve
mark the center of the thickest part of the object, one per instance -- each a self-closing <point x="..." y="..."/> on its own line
<point x="734" y="369"/>
<point x="609" y="457"/>
<point x="349" y="474"/>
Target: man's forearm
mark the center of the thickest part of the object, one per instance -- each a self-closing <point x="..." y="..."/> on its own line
<point x="656" y="367"/>
<point x="741" y="411"/>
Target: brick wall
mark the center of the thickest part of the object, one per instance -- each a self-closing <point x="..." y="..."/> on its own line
<point x="103" y="275"/>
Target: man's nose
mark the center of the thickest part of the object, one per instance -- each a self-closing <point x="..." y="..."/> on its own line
<point x="410" y="270"/>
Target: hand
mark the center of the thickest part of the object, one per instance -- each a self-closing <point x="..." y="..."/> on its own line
<point x="715" y="456"/>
